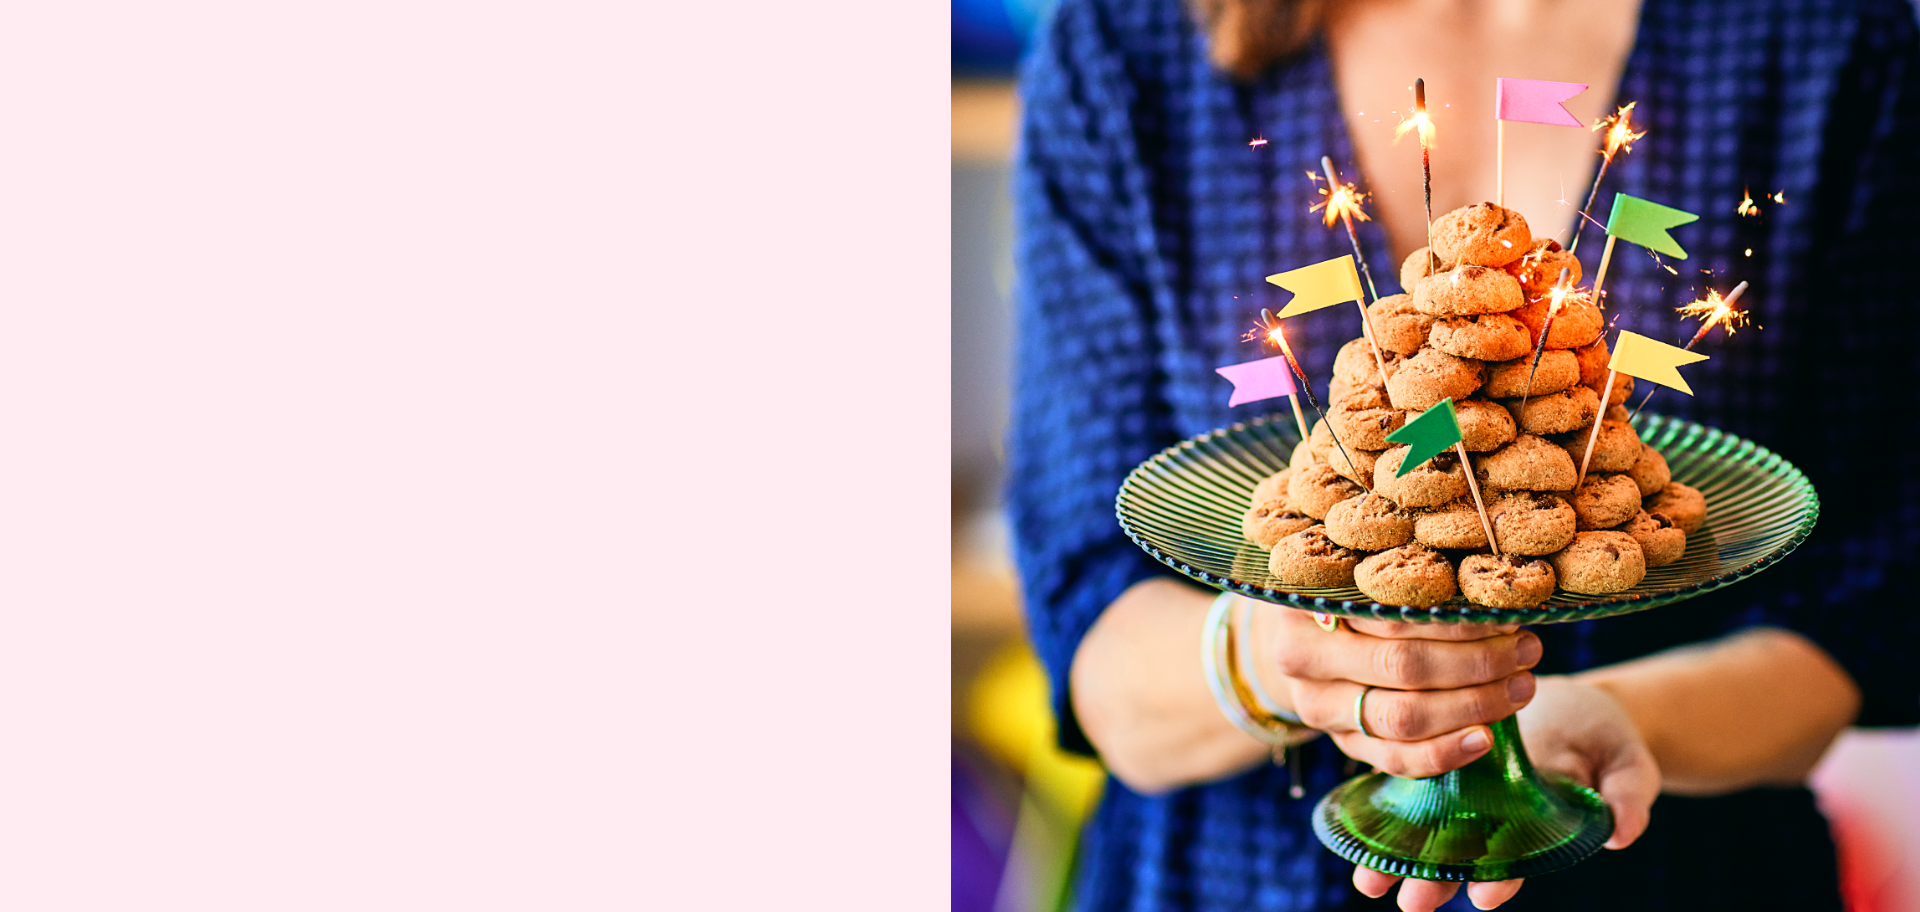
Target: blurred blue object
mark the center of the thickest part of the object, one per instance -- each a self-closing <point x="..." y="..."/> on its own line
<point x="990" y="35"/>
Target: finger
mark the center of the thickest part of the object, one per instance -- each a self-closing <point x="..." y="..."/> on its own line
<point x="1374" y="884"/>
<point x="1630" y="784"/>
<point x="1491" y="895"/>
<point x="1425" y="895"/>
<point x="1408" y="664"/>
<point x="1399" y="715"/>
<point x="1417" y="759"/>
<point x="1403" y="630"/>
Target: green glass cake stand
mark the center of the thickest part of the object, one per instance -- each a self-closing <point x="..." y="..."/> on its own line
<point x="1496" y="818"/>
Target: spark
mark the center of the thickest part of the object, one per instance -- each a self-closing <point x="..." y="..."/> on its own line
<point x="1780" y="197"/>
<point x="1257" y="143"/>
<point x="1340" y="203"/>
<point x="1714" y="311"/>
<point x="1746" y="203"/>
<point x="1620" y="134"/>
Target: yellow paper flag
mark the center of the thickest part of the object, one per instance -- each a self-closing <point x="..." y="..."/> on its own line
<point x="1652" y="361"/>
<point x="1320" y="285"/>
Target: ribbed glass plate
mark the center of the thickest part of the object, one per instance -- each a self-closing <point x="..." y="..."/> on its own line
<point x="1184" y="507"/>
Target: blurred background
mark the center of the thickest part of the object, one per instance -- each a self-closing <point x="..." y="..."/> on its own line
<point x="1018" y="801"/>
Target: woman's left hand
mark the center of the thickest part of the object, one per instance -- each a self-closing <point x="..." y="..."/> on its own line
<point x="1572" y="728"/>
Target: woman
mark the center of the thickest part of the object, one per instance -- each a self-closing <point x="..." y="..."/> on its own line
<point x="1146" y="223"/>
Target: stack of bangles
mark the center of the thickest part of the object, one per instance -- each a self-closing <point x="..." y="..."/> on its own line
<point x="1240" y="695"/>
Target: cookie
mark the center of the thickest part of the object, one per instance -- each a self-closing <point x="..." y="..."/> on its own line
<point x="1363" y="419"/>
<point x="1622" y="389"/>
<point x="1418" y="266"/>
<point x="1483" y="337"/>
<point x="1578" y="323"/>
<point x="1605" y="501"/>
<point x="1484" y="425"/>
<point x="1683" y="504"/>
<point x="1593" y="363"/>
<point x="1660" y="540"/>
<point x="1616" y="412"/>
<point x="1454" y="526"/>
<point x="1531" y="523"/>
<point x="1529" y="463"/>
<point x="1314" y="491"/>
<point x="1398" y="327"/>
<point x="1483" y="234"/>
<point x="1303" y="456"/>
<point x="1555" y="413"/>
<point x="1539" y="270"/>
<point x="1430" y="484"/>
<point x="1511" y="581"/>
<point x="1270" y="487"/>
<point x="1412" y="575"/>
<point x="1615" y="450"/>
<point x="1359" y="470"/>
<point x="1598" y="563"/>
<point x="1466" y="291"/>
<point x="1369" y="522"/>
<point x="1271" y="520"/>
<point x="1650" y="473"/>
<point x="1354" y="364"/>
<point x="1310" y="560"/>
<point x="1508" y="380"/>
<point x="1421" y="381"/>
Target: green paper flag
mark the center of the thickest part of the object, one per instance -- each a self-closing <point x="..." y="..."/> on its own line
<point x="1646" y="224"/>
<point x="1435" y="431"/>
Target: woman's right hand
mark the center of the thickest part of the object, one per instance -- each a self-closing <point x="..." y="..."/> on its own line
<point x="1436" y="687"/>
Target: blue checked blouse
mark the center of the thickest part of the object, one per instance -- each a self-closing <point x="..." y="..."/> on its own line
<point x="1146" y="226"/>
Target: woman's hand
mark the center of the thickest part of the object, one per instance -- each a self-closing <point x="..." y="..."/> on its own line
<point x="1436" y="687"/>
<point x="1576" y="729"/>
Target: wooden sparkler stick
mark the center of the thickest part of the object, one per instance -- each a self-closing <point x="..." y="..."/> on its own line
<point x="1540" y="347"/>
<point x="1732" y="296"/>
<point x="1486" y="523"/>
<point x="1366" y="322"/>
<point x="1580" y="224"/>
<point x="1426" y="169"/>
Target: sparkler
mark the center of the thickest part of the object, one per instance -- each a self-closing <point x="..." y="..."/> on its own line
<point x="1556" y="299"/>
<point x="1420" y="122"/>
<point x="1343" y="203"/>
<point x="1620" y="138"/>
<point x="1713" y="311"/>
<point x="1300" y="376"/>
<point x="1270" y="327"/>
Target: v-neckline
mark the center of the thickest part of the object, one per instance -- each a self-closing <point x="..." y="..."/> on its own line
<point x="1373" y="236"/>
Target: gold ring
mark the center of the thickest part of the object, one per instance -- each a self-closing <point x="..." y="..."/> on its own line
<point x="1360" y="711"/>
<point x="1328" y="622"/>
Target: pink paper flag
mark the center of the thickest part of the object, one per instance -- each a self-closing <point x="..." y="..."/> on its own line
<point x="1535" y="101"/>
<point x="1257" y="380"/>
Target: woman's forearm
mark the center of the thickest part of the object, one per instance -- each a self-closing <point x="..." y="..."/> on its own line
<point x="1757" y="708"/>
<point x="1142" y="697"/>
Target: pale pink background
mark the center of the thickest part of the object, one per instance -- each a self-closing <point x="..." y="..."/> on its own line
<point x="385" y="521"/>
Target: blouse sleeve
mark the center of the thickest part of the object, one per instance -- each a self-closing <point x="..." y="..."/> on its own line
<point x="1087" y="405"/>
<point x="1852" y="588"/>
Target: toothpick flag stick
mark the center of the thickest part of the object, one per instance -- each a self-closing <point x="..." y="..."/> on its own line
<point x="1530" y="101"/>
<point x="1428" y="435"/>
<point x="1638" y="356"/>
<point x="1323" y="285"/>
<point x="1620" y="138"/>
<point x="1559" y="295"/>
<point x="1717" y="312"/>
<point x="1644" y="223"/>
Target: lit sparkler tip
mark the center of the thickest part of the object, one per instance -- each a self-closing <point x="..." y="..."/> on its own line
<point x="1620" y="133"/>
<point x="1714" y="310"/>
<point x="1418" y="121"/>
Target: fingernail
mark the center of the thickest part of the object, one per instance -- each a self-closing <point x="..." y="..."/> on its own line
<point x="1529" y="654"/>
<point x="1475" y="742"/>
<point x="1520" y="688"/>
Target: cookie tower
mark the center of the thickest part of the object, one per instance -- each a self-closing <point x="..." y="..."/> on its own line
<point x="1341" y="514"/>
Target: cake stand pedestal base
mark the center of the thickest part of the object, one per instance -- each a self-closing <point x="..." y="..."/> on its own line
<point x="1496" y="818"/>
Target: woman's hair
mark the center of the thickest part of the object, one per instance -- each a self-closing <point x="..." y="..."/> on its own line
<point x="1247" y="35"/>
